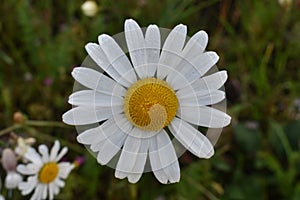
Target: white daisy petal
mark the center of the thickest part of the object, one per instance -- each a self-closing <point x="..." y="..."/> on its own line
<point x="96" y="136"/>
<point x="140" y="162"/>
<point x="196" y="45"/>
<point x="61" y="154"/>
<point x="64" y="169"/>
<point x="27" y="187"/>
<point x="44" y="192"/>
<point x="28" y="169"/>
<point x="204" y="116"/>
<point x="91" y="97"/>
<point x="163" y="158"/>
<point x="38" y="192"/>
<point x="110" y="147"/>
<point x="43" y="149"/>
<point x="189" y="71"/>
<point x="54" y="150"/>
<point x="55" y="189"/>
<point x="204" y="85"/>
<point x="191" y="138"/>
<point x="209" y="99"/>
<point x="152" y="39"/>
<point x="90" y="114"/>
<point x="59" y="182"/>
<point x="94" y="80"/>
<point x="155" y="162"/>
<point x="133" y="157"/>
<point x="33" y="156"/>
<point x="117" y="60"/>
<point x="136" y="46"/>
<point x="51" y="192"/>
<point x="114" y="140"/>
<point x="170" y="54"/>
<point x="111" y="59"/>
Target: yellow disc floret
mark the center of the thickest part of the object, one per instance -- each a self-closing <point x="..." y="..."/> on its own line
<point x="48" y="172"/>
<point x="150" y="104"/>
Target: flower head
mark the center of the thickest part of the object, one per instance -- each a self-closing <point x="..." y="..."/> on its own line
<point x="45" y="172"/>
<point x="161" y="91"/>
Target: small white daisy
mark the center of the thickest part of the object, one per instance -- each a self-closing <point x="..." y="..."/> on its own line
<point x="161" y="91"/>
<point x="45" y="173"/>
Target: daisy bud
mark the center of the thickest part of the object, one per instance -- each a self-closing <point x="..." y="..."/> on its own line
<point x="89" y="8"/>
<point x="9" y="160"/>
<point x="18" y="118"/>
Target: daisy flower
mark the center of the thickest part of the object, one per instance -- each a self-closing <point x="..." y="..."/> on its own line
<point x="45" y="173"/>
<point x="141" y="102"/>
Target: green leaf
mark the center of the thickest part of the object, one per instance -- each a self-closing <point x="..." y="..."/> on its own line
<point x="247" y="139"/>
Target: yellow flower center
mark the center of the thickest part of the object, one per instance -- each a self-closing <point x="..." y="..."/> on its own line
<point x="150" y="104"/>
<point x="48" y="172"/>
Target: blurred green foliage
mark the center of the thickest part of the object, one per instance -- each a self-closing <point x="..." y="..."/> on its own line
<point x="258" y="42"/>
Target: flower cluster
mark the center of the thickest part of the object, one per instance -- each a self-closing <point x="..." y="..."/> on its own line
<point x="42" y="170"/>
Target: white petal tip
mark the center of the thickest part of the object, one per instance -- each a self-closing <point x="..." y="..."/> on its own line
<point x="89" y="47"/>
<point x="169" y="181"/>
<point x="129" y="22"/>
<point x="210" y="154"/>
<point x="101" y="160"/>
<point x="203" y="33"/>
<point x="213" y="56"/>
<point x="80" y="139"/>
<point x="65" y="118"/>
<point x="227" y="120"/>
<point x="153" y="26"/>
<point x="76" y="71"/>
<point x="68" y="118"/>
<point x="120" y="175"/>
<point x="133" y="179"/>
<point x="174" y="181"/>
<point x="223" y="75"/>
<point x="103" y="38"/>
<point x="181" y="28"/>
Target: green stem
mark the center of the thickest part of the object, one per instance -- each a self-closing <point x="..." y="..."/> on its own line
<point x="46" y="123"/>
<point x="133" y="191"/>
<point x="10" y="129"/>
<point x="201" y="188"/>
<point x="33" y="123"/>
